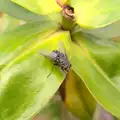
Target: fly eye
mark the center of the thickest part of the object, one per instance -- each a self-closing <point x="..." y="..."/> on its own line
<point x="54" y="55"/>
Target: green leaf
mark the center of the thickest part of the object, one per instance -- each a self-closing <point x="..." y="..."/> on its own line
<point x="96" y="80"/>
<point x="96" y="13"/>
<point x="39" y="6"/>
<point x="52" y="110"/>
<point x="107" y="32"/>
<point x="13" y="42"/>
<point x="10" y="23"/>
<point x="19" y="12"/>
<point x="77" y="97"/>
<point x="25" y="88"/>
<point x="105" y="52"/>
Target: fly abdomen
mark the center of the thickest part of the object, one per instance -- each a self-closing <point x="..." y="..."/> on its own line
<point x="61" y="60"/>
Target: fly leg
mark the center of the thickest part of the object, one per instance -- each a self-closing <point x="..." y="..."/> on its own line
<point x="51" y="70"/>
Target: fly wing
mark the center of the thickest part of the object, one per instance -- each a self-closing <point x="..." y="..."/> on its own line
<point x="45" y="53"/>
<point x="50" y="54"/>
<point x="61" y="47"/>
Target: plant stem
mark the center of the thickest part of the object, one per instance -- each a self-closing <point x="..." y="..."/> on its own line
<point x="68" y="20"/>
<point x="67" y="24"/>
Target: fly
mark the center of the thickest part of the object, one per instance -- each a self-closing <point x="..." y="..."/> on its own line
<point x="60" y="59"/>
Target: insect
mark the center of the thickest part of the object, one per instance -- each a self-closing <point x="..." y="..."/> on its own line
<point x="60" y="59"/>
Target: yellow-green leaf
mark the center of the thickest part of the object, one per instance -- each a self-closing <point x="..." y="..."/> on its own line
<point x="13" y="42"/>
<point x="96" y="13"/>
<point x="24" y="86"/>
<point x="40" y="6"/>
<point x="77" y="97"/>
<point x="19" y="12"/>
<point x="96" y="80"/>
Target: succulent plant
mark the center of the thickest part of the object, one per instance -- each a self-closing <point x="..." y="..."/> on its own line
<point x="94" y="73"/>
